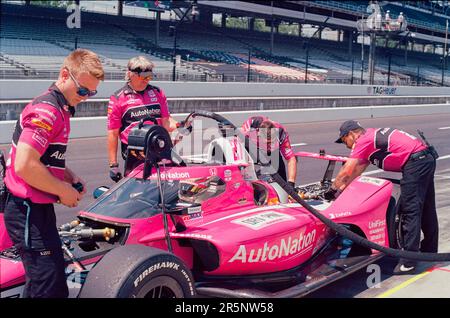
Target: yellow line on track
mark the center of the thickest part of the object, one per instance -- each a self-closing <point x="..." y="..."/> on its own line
<point x="403" y="285"/>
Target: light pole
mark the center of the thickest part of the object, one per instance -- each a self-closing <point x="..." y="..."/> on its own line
<point x="353" y="68"/>
<point x="362" y="52"/>
<point x="444" y="54"/>
<point x="307" y="62"/>
<point x="173" y="32"/>
<point x="307" y="47"/>
<point x="389" y="69"/>
<point x="249" y="61"/>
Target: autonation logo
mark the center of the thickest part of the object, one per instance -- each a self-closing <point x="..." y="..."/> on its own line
<point x="296" y="244"/>
<point x="175" y="175"/>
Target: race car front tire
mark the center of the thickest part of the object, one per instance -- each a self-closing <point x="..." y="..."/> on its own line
<point x="137" y="271"/>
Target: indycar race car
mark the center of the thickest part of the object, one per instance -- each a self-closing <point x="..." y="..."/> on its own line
<point x="216" y="227"/>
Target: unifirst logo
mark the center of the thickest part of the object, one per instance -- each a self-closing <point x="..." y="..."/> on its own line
<point x="287" y="247"/>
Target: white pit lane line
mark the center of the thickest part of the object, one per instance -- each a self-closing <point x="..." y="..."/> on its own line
<point x="444" y="128"/>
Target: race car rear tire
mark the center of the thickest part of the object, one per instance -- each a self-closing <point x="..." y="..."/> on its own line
<point x="137" y="271"/>
<point x="393" y="220"/>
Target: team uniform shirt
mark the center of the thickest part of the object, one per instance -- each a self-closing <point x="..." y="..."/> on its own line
<point x="283" y="143"/>
<point x="387" y="148"/>
<point x="127" y="107"/>
<point x="44" y="124"/>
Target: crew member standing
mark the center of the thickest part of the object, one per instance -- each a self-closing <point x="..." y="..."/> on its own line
<point x="135" y="101"/>
<point x="37" y="176"/>
<point x="272" y="138"/>
<point x="395" y="150"/>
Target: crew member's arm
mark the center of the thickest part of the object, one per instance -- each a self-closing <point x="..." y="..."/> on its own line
<point x="352" y="169"/>
<point x="288" y="154"/>
<point x="167" y="121"/>
<point x="28" y="166"/>
<point x="113" y="143"/>
<point x="292" y="169"/>
<point x="114" y="124"/>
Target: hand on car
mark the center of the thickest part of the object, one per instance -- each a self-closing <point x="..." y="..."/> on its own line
<point x="331" y="194"/>
<point x="114" y="173"/>
<point x="183" y="130"/>
<point x="77" y="180"/>
<point x="69" y="196"/>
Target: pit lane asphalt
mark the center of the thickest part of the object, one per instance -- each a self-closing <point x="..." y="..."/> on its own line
<point x="88" y="158"/>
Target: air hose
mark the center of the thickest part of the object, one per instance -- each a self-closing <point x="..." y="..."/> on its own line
<point x="342" y="230"/>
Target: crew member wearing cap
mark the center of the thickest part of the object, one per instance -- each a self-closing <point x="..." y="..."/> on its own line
<point x="395" y="150"/>
<point x="272" y="138"/>
<point x="37" y="175"/>
<point x="131" y="103"/>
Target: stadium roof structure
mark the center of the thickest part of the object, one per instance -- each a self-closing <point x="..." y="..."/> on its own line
<point x="428" y="27"/>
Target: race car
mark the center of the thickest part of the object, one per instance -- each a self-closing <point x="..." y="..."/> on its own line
<point x="216" y="227"/>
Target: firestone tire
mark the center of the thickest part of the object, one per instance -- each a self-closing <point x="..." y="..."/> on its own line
<point x="137" y="271"/>
<point x="394" y="224"/>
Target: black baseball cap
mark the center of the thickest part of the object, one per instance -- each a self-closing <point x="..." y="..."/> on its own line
<point x="346" y="127"/>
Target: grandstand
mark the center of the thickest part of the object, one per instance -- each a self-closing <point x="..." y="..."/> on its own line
<point x="35" y="39"/>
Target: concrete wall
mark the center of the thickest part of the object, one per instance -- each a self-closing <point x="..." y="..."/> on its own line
<point x="28" y="89"/>
<point x="96" y="126"/>
<point x="12" y="110"/>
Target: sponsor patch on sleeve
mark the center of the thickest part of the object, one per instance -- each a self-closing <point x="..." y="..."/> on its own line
<point x="40" y="123"/>
<point x="39" y="139"/>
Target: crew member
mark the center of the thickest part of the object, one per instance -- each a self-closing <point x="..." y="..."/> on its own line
<point x="395" y="150"/>
<point x="135" y="101"/>
<point x="272" y="138"/>
<point x="37" y="176"/>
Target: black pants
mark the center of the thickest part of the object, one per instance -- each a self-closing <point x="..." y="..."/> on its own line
<point x="32" y="228"/>
<point x="418" y="207"/>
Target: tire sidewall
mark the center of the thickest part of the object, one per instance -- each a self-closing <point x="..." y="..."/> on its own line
<point x="394" y="224"/>
<point x="165" y="268"/>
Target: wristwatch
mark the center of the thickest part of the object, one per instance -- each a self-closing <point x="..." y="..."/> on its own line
<point x="113" y="165"/>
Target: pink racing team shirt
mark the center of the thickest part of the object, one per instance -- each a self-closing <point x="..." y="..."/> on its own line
<point x="127" y="107"/>
<point x="250" y="126"/>
<point x="44" y="124"/>
<point x="387" y="148"/>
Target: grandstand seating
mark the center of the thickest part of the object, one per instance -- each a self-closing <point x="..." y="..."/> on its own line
<point x="40" y="44"/>
<point x="34" y="45"/>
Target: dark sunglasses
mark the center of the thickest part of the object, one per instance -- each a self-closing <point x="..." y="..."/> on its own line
<point x="142" y="73"/>
<point x="82" y="91"/>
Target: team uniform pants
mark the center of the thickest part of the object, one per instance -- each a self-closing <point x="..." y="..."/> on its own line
<point x="32" y="228"/>
<point x="418" y="207"/>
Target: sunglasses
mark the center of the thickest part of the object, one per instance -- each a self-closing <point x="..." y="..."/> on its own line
<point x="146" y="74"/>
<point x="82" y="91"/>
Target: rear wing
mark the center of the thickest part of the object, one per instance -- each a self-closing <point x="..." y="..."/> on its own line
<point x="332" y="159"/>
<point x="320" y="156"/>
